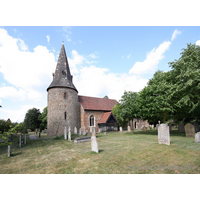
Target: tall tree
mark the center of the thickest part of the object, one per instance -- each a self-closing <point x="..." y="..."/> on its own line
<point x="31" y="119"/>
<point x="43" y="119"/>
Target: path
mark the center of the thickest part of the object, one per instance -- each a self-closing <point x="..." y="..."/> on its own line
<point x="33" y="137"/>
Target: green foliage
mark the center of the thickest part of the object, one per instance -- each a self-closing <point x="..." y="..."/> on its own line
<point x="106" y="97"/>
<point x="31" y="119"/>
<point x="43" y="119"/>
<point x="5" y="125"/>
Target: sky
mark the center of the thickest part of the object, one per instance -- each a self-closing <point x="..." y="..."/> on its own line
<point x="104" y="60"/>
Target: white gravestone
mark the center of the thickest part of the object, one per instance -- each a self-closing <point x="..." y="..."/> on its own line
<point x="104" y="133"/>
<point x="65" y="133"/>
<point x="189" y="130"/>
<point x="69" y="134"/>
<point x="120" y="129"/>
<point x="94" y="143"/>
<point x="20" y="141"/>
<point x="163" y="134"/>
<point x="129" y="129"/>
<point x="75" y="130"/>
<point x="8" y="150"/>
<point x="79" y="131"/>
<point x="197" y="137"/>
<point x="84" y="130"/>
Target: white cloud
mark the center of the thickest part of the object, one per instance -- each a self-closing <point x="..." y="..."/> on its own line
<point x="198" y="43"/>
<point x="29" y="72"/>
<point x="19" y="114"/>
<point x="152" y="60"/>
<point x="48" y="38"/>
<point x="93" y="56"/>
<point x="175" y="33"/>
<point x="0" y="101"/>
<point x="98" y="82"/>
<point x="128" y="56"/>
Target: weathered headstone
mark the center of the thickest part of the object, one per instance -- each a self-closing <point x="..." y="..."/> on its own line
<point x="65" y="133"/>
<point x="69" y="134"/>
<point x="144" y="128"/>
<point x="181" y="128"/>
<point x="20" y="140"/>
<point x="120" y="129"/>
<point x="189" y="130"/>
<point x="196" y="126"/>
<point x="129" y="129"/>
<point x="94" y="143"/>
<point x="8" y="150"/>
<point x="197" y="137"/>
<point x="163" y="134"/>
<point x="84" y="130"/>
<point x="104" y="133"/>
<point x="79" y="131"/>
<point x="75" y="130"/>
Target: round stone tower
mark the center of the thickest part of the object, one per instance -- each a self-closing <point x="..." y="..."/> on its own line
<point x="62" y="99"/>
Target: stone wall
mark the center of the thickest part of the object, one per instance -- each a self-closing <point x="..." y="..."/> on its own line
<point x="138" y="123"/>
<point x="57" y="106"/>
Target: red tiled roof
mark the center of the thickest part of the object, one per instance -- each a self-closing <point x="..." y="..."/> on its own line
<point x="104" y="118"/>
<point x="93" y="103"/>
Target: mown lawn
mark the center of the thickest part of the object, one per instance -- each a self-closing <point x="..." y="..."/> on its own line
<point x="119" y="153"/>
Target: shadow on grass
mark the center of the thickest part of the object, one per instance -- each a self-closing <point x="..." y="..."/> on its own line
<point x="101" y="150"/>
<point x="15" y="154"/>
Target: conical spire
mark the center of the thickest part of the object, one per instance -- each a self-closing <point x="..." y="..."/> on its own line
<point x="62" y="76"/>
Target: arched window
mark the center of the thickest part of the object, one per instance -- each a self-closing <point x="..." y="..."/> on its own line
<point x="91" y="120"/>
<point x="65" y="115"/>
<point x="65" y="95"/>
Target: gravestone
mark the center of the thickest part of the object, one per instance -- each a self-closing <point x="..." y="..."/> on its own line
<point x="163" y="134"/>
<point x="79" y="131"/>
<point x="20" y="141"/>
<point x="65" y="133"/>
<point x="196" y="126"/>
<point x="197" y="137"/>
<point x="129" y="129"/>
<point x="144" y="128"/>
<point x="75" y="130"/>
<point x="104" y="133"/>
<point x="84" y="130"/>
<point x="120" y="129"/>
<point x="94" y="143"/>
<point x="181" y="128"/>
<point x="189" y="130"/>
<point x="8" y="150"/>
<point x="69" y="134"/>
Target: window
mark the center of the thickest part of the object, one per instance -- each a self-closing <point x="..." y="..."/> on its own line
<point x="65" y="95"/>
<point x="65" y="115"/>
<point x="91" y="120"/>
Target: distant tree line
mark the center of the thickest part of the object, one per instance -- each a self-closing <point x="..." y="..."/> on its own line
<point x="172" y="95"/>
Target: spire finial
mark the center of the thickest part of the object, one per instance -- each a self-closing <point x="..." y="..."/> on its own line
<point x="62" y="42"/>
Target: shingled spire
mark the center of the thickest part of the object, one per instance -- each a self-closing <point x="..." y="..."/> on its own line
<point x="62" y="76"/>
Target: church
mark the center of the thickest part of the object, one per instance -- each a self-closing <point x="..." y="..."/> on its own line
<point x="68" y="109"/>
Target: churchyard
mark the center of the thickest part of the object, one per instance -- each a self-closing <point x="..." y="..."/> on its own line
<point x="119" y="153"/>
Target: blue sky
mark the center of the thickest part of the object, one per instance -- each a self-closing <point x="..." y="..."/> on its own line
<point x="104" y="60"/>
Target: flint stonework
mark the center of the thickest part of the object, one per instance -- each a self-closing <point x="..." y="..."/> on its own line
<point x="189" y="130"/>
<point x="197" y="137"/>
<point x="163" y="134"/>
<point x="84" y="130"/>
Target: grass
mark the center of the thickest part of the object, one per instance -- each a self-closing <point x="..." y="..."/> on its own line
<point x="119" y="153"/>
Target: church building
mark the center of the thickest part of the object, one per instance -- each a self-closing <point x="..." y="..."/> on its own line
<point x="67" y="109"/>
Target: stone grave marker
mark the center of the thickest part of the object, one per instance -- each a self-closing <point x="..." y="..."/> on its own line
<point x="94" y="143"/>
<point x="129" y="129"/>
<point x="8" y="150"/>
<point x="104" y="133"/>
<point x="69" y="134"/>
<point x="84" y="130"/>
<point x="189" y="130"/>
<point x="196" y="126"/>
<point x="181" y="128"/>
<point x="197" y="137"/>
<point x="120" y="129"/>
<point x="79" y="131"/>
<point x="144" y="128"/>
<point x="65" y="133"/>
<point x="20" y="140"/>
<point x="163" y="134"/>
<point x="75" y="130"/>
